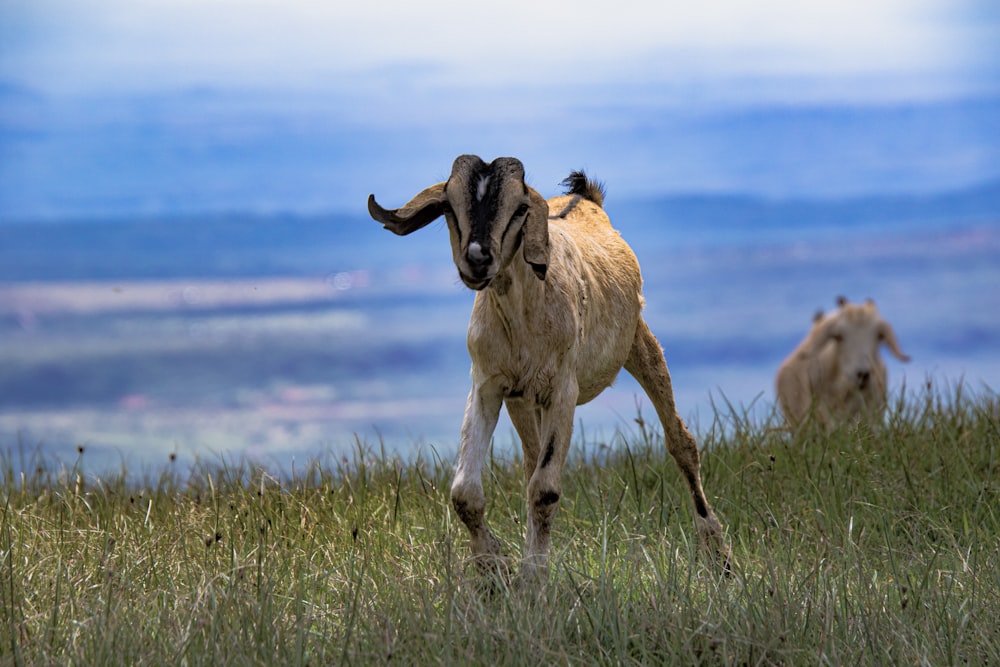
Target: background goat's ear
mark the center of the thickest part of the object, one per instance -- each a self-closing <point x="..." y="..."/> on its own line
<point x="818" y="336"/>
<point x="535" y="243"/>
<point x="420" y="211"/>
<point x="891" y="342"/>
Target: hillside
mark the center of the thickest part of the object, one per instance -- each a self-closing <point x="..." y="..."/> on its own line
<point x="860" y="547"/>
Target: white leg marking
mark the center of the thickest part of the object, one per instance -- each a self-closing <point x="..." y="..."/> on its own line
<point x="481" y="414"/>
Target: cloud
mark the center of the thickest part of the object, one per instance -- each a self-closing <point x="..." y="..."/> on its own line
<point x="312" y="44"/>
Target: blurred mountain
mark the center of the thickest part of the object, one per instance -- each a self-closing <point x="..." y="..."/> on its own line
<point x="235" y="245"/>
<point x="203" y="150"/>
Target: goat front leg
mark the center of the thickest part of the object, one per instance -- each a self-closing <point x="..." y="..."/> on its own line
<point x="647" y="365"/>
<point x="481" y="413"/>
<point x="545" y="483"/>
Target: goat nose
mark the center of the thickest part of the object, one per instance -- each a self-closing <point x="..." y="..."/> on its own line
<point x="477" y="254"/>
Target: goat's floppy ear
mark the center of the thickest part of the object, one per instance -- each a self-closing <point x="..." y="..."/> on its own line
<point x="420" y="211"/>
<point x="535" y="241"/>
<point x="888" y="337"/>
<point x="818" y="336"/>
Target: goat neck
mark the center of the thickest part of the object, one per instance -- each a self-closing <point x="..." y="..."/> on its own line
<point x="516" y="298"/>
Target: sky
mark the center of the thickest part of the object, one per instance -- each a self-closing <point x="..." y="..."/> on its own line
<point x="74" y="45"/>
<point x="328" y="99"/>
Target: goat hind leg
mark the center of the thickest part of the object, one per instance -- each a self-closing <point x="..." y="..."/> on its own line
<point x="648" y="366"/>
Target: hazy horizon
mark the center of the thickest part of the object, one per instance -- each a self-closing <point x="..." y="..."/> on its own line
<point x="286" y="338"/>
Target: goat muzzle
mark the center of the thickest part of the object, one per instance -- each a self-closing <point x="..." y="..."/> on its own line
<point x="478" y="256"/>
<point x="478" y="260"/>
<point x="473" y="283"/>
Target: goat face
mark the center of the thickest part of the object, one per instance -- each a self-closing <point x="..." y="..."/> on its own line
<point x="491" y="212"/>
<point x="853" y="335"/>
<point x="489" y="207"/>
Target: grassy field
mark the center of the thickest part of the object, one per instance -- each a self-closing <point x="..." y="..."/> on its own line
<point x="862" y="546"/>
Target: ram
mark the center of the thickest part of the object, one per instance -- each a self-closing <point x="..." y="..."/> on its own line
<point x="557" y="314"/>
<point x="836" y="373"/>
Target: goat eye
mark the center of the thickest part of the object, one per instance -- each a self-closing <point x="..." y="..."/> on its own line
<point x="521" y="211"/>
<point x="838" y="337"/>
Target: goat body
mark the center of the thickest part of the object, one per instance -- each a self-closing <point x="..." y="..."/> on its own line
<point x="836" y="372"/>
<point x="547" y="333"/>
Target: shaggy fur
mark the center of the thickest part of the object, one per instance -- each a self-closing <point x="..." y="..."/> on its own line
<point x="836" y="372"/>
<point x="549" y="331"/>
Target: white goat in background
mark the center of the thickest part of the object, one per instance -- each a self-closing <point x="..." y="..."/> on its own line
<point x="836" y="372"/>
<point x="549" y="330"/>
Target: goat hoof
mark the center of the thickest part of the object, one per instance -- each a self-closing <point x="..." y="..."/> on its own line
<point x="493" y="565"/>
<point x="493" y="574"/>
<point x="724" y="558"/>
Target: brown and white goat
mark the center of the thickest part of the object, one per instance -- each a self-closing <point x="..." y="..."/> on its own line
<point x="556" y="316"/>
<point x="836" y="372"/>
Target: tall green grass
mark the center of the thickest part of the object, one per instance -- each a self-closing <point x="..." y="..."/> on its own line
<point x="861" y="546"/>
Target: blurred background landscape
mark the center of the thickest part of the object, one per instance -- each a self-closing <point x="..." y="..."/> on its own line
<point x="187" y="266"/>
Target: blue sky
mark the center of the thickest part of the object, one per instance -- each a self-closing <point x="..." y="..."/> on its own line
<point x="301" y="44"/>
<point x="158" y="106"/>
<point x="60" y="45"/>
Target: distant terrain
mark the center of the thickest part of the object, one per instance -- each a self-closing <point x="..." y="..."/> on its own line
<point x="186" y="152"/>
<point x="280" y="336"/>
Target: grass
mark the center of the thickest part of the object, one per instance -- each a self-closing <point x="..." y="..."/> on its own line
<point x="862" y="546"/>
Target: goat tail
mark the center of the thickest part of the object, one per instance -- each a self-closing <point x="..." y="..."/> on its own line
<point x="577" y="183"/>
